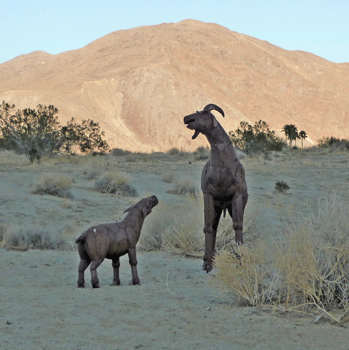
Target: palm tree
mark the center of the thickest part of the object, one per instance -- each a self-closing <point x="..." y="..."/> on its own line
<point x="291" y="132"/>
<point x="294" y="134"/>
<point x="286" y="129"/>
<point x="302" y="135"/>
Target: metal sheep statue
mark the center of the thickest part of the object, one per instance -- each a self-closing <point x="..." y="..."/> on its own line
<point x="222" y="181"/>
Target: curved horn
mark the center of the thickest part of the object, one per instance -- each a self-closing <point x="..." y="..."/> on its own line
<point x="212" y="106"/>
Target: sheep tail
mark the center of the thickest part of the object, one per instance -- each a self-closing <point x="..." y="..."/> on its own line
<point x="81" y="239"/>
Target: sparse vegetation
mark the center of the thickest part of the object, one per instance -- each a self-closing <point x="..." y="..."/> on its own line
<point x="30" y="237"/>
<point x="334" y="143"/>
<point x="37" y="133"/>
<point x="174" y="230"/>
<point x="281" y="186"/>
<point x="202" y="153"/>
<point x="54" y="184"/>
<point x="169" y="176"/>
<point x="185" y="187"/>
<point x="114" y="183"/>
<point x="117" y="152"/>
<point x="257" y="138"/>
<point x="308" y="271"/>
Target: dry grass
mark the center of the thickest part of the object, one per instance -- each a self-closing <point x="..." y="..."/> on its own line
<point x="20" y="237"/>
<point x="169" y="176"/>
<point x="307" y="271"/>
<point x="114" y="183"/>
<point x="12" y="158"/>
<point x="185" y="187"/>
<point x="248" y="272"/>
<point x="174" y="229"/>
<point x="54" y="184"/>
<point x="179" y="229"/>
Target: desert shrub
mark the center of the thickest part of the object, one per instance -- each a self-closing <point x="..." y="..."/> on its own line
<point x="334" y="143"/>
<point x="185" y="187"/>
<point x="281" y="186"/>
<point x="174" y="229"/>
<point x="91" y="173"/>
<point x="176" y="152"/>
<point x="309" y="270"/>
<point x="118" y="152"/>
<point x="248" y="272"/>
<point x="54" y="184"/>
<point x="115" y="183"/>
<point x="37" y="132"/>
<point x="202" y="153"/>
<point x="257" y="138"/>
<point x="31" y="237"/>
<point x="169" y="176"/>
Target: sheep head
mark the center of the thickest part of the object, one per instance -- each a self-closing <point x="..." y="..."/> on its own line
<point x="145" y="205"/>
<point x="203" y="121"/>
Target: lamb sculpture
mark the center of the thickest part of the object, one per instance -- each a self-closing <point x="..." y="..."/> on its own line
<point x="222" y="181"/>
<point x="112" y="241"/>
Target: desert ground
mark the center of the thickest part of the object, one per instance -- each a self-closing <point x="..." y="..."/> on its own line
<point x="177" y="305"/>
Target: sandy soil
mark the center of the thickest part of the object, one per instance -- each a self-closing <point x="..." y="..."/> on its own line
<point x="177" y="306"/>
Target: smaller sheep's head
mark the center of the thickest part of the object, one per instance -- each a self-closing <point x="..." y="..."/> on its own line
<point x="203" y="121"/>
<point x="145" y="204"/>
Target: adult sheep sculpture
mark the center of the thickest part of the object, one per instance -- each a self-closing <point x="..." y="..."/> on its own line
<point x="112" y="241"/>
<point x="222" y="181"/>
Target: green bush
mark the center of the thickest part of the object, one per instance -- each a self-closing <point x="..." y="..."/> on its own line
<point x="257" y="138"/>
<point x="334" y="143"/>
<point x="37" y="133"/>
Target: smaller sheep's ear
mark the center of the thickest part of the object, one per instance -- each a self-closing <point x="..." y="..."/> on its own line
<point x="128" y="209"/>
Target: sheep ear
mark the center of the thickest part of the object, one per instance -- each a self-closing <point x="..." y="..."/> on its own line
<point x="128" y="209"/>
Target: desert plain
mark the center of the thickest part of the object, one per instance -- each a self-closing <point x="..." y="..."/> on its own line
<point x="177" y="305"/>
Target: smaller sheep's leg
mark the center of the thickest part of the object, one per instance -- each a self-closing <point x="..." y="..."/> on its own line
<point x="83" y="265"/>
<point x="93" y="268"/>
<point x="116" y="265"/>
<point x="133" y="262"/>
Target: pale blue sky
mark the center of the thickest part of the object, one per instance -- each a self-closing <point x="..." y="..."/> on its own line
<point x="320" y="27"/>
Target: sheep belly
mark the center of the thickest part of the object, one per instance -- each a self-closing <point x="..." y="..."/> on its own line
<point x="118" y="247"/>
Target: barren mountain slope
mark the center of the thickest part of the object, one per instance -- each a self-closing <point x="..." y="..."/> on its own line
<point x="140" y="83"/>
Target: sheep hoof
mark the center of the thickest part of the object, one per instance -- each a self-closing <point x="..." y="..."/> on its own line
<point x="95" y="285"/>
<point x="81" y="286"/>
<point x="207" y="267"/>
<point x="116" y="283"/>
<point x="136" y="282"/>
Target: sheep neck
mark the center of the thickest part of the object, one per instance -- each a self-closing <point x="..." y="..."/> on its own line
<point x="134" y="222"/>
<point x="222" y="150"/>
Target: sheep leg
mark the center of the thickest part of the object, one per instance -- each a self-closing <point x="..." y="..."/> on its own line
<point x="236" y="211"/>
<point x="116" y="265"/>
<point x="93" y="268"/>
<point x="210" y="229"/>
<point x="218" y="213"/>
<point x="133" y="262"/>
<point x="83" y="265"/>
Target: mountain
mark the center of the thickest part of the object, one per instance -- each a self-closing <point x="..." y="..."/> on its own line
<point x="140" y="83"/>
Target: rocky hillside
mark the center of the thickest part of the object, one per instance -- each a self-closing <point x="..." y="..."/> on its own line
<point x="140" y="83"/>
